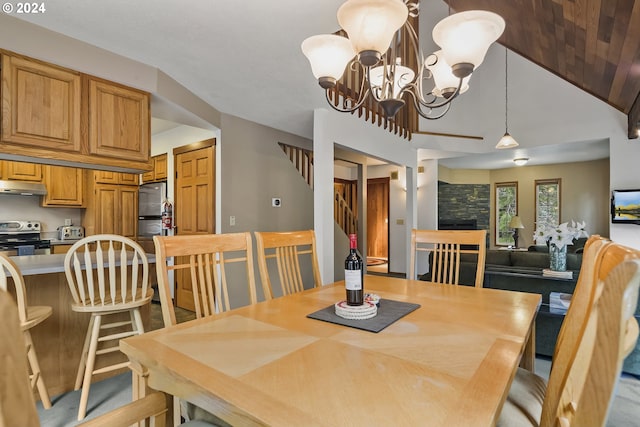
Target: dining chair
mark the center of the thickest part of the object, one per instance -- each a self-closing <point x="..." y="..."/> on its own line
<point x="288" y="249"/>
<point x="17" y="403"/>
<point x="29" y="316"/>
<point x="108" y="276"/>
<point x="446" y="249"/>
<point x="206" y="258"/>
<point x="609" y="269"/>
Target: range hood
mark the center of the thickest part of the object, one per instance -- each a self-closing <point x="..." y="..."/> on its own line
<point x="23" y="188"/>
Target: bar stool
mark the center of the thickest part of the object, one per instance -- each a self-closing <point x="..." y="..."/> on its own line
<point x="29" y="318"/>
<point x="107" y="275"/>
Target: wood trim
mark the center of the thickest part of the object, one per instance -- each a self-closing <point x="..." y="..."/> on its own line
<point x="194" y="146"/>
<point x="448" y="135"/>
<point x="633" y="118"/>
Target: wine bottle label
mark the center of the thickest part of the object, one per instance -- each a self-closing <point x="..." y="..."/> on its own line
<point x="353" y="280"/>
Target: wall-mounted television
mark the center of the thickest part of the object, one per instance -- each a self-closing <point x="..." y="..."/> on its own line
<point x="625" y="206"/>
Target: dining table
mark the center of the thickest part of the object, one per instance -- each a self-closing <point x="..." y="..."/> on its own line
<point x="449" y="361"/>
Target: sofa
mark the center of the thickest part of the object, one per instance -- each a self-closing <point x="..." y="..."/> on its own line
<point x="521" y="270"/>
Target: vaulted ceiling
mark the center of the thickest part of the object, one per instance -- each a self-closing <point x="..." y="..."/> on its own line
<point x="593" y="44"/>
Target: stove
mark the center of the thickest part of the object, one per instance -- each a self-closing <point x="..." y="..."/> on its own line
<point x="22" y="238"/>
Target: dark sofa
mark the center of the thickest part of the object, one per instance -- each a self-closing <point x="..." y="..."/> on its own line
<point x="518" y="270"/>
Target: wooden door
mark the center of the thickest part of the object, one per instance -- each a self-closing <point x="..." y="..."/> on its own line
<point x="41" y="104"/>
<point x="65" y="186"/>
<point x="194" y="204"/>
<point x="378" y="217"/>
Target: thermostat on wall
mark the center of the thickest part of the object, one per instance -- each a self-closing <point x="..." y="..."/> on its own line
<point x="276" y="202"/>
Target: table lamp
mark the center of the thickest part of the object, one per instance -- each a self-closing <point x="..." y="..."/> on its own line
<point x="515" y="223"/>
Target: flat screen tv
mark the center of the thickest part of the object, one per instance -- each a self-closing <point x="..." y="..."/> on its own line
<point x="625" y="206"/>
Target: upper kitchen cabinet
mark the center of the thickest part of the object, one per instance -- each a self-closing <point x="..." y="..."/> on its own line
<point x="57" y="116"/>
<point x="40" y="105"/>
<point x="65" y="187"/>
<point x="20" y="171"/>
<point x="119" y="124"/>
<point x="108" y="177"/>
<point x="159" y="172"/>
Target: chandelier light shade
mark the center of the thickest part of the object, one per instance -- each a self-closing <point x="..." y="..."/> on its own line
<point x="465" y="38"/>
<point x="507" y="141"/>
<point x="328" y="55"/>
<point x="445" y="83"/>
<point x="380" y="31"/>
<point x="371" y="25"/>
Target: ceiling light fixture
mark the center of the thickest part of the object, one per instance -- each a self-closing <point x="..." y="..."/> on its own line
<point x="521" y="161"/>
<point x="507" y="140"/>
<point x="375" y="31"/>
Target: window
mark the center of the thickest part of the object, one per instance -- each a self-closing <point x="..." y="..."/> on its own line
<point x="506" y="207"/>
<point x="547" y="202"/>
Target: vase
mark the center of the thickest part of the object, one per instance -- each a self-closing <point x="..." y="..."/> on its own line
<point x="557" y="257"/>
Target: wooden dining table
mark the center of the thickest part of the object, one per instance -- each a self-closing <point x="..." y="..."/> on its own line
<point x="448" y="363"/>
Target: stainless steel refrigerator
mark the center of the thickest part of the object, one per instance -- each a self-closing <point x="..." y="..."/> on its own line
<point x="150" y="199"/>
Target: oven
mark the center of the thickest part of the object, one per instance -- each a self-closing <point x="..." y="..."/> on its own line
<point x="18" y="238"/>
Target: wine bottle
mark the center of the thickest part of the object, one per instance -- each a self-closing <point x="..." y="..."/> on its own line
<point x="354" y="274"/>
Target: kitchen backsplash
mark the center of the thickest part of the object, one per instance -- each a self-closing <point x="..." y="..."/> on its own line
<point x="16" y="207"/>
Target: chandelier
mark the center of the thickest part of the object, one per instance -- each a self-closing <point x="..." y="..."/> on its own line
<point x="374" y="29"/>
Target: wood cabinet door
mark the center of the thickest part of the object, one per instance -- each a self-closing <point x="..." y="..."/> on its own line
<point x="22" y="171"/>
<point x="107" y="218"/>
<point x="65" y="186"/>
<point x="40" y="104"/>
<point x="118" y="121"/>
<point x="160" y="166"/>
<point x="106" y="177"/>
<point x="128" y="211"/>
<point x="128" y="179"/>
<point x="194" y="207"/>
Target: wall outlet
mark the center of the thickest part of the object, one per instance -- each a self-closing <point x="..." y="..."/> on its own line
<point x="232" y="221"/>
<point x="67" y="221"/>
<point x="276" y="202"/>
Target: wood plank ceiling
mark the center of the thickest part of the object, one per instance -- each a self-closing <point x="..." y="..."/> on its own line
<point x="593" y="44"/>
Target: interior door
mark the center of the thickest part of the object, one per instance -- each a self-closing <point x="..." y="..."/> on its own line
<point x="378" y="218"/>
<point x="194" y="205"/>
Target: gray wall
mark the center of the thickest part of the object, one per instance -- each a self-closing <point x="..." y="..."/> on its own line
<point x="253" y="170"/>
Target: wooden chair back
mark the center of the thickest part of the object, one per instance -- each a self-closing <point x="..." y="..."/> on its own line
<point x="8" y="266"/>
<point x="610" y="333"/>
<point x="121" y="284"/>
<point x="17" y="404"/>
<point x="205" y="256"/>
<point x="446" y="248"/>
<point x="287" y="249"/>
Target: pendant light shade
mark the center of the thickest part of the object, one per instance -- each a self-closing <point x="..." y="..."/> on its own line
<point x="444" y="80"/>
<point x="371" y="25"/>
<point x="328" y="55"/>
<point x="465" y="38"/>
<point x="507" y="141"/>
<point x="402" y="76"/>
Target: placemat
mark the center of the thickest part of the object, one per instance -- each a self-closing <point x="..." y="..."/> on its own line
<point x="388" y="312"/>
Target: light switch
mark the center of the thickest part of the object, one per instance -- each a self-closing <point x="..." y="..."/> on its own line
<point x="400" y="221"/>
<point x="232" y="221"/>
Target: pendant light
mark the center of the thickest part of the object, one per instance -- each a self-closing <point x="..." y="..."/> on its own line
<point x="507" y="140"/>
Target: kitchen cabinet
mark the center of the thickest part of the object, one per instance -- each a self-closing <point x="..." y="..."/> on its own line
<point x="111" y="209"/>
<point x="60" y="249"/>
<point x="119" y="124"/>
<point x="159" y="172"/>
<point x="20" y="171"/>
<point x="108" y="177"/>
<point x="52" y="114"/>
<point x="40" y="104"/>
<point x="65" y="186"/>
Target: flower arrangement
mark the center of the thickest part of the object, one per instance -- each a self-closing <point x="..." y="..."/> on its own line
<point x="563" y="234"/>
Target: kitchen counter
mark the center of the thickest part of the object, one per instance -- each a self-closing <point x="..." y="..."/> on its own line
<point x="31" y="265"/>
<point x="62" y="242"/>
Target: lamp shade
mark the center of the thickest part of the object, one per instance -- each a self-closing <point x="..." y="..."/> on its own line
<point x="328" y="55"/>
<point x="371" y="24"/>
<point x="506" y="141"/>
<point x="465" y="37"/>
<point x="515" y="222"/>
<point x="445" y="82"/>
<point x="402" y="76"/>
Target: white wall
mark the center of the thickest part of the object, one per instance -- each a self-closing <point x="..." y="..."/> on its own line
<point x="625" y="175"/>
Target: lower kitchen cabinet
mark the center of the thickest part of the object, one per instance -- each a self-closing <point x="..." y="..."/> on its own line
<point x="65" y="186"/>
<point x="112" y="209"/>
<point x="60" y="249"/>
